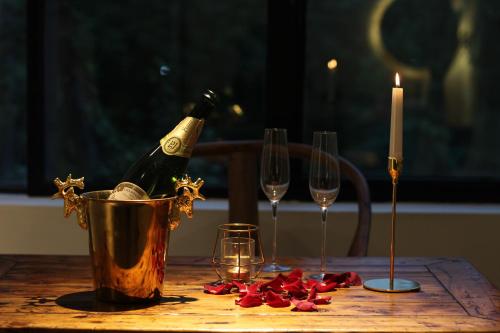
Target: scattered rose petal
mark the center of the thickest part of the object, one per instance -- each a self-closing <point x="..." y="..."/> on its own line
<point x="331" y="277"/>
<point x="311" y="283"/>
<point x="312" y="294"/>
<point x="316" y="299"/>
<point x="272" y="292"/>
<point x="304" y="306"/>
<point x="353" y="278"/>
<point x="323" y="287"/>
<point x="296" y="289"/>
<point x="242" y="287"/>
<point x="254" y="287"/>
<point x="343" y="280"/>
<point x="275" y="284"/>
<point x="218" y="289"/>
<point x="275" y="300"/>
<point x="322" y="300"/>
<point x="296" y="274"/>
<point x="250" y="300"/>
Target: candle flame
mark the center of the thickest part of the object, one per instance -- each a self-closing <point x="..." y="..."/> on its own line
<point x="397" y="79"/>
<point x="237" y="110"/>
<point x="332" y="64"/>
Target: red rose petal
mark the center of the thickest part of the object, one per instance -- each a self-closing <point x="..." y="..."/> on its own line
<point x="250" y="300"/>
<point x="322" y="300"/>
<point x="275" y="284"/>
<point x="296" y="289"/>
<point x="254" y="287"/>
<point x="311" y="283"/>
<point x="330" y="277"/>
<point x="296" y="274"/>
<point x="316" y="299"/>
<point x="269" y="292"/>
<point x="218" y="289"/>
<point x="322" y="287"/>
<point x="304" y="306"/>
<point x="275" y="300"/>
<point x="353" y="279"/>
<point x="312" y="294"/>
<point x="242" y="287"/>
<point x="343" y="280"/>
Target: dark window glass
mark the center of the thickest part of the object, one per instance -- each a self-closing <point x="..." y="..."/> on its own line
<point x="120" y="74"/>
<point x="447" y="54"/>
<point x="110" y="78"/>
<point x="12" y="94"/>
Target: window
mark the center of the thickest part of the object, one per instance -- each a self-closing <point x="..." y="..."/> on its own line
<point x="107" y="79"/>
<point x="13" y="169"/>
<point x="118" y="76"/>
<point x="445" y="52"/>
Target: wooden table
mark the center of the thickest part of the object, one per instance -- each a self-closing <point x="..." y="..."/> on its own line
<point x="55" y="292"/>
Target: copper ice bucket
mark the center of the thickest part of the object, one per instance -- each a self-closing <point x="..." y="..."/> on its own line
<point x="128" y="240"/>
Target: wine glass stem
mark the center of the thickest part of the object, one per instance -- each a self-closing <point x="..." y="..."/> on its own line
<point x="324" y="211"/>
<point x="274" y="205"/>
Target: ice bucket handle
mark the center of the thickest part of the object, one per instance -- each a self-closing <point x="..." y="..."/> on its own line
<point x="72" y="201"/>
<point x="185" y="200"/>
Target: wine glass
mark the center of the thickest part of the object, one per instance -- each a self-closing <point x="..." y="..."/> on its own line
<point x="324" y="181"/>
<point x="274" y="180"/>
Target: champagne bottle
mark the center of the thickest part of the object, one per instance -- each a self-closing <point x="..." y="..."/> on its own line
<point x="154" y="174"/>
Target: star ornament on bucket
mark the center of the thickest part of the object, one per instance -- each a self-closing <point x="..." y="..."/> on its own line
<point x="67" y="192"/>
<point x="191" y="191"/>
<point x="285" y="290"/>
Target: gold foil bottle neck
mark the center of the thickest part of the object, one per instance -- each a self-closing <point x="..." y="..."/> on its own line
<point x="181" y="140"/>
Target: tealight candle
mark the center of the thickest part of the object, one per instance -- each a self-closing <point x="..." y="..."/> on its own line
<point x="238" y="273"/>
<point x="238" y="257"/>
<point x="396" y="138"/>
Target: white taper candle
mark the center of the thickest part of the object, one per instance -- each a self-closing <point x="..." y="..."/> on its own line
<point x="396" y="138"/>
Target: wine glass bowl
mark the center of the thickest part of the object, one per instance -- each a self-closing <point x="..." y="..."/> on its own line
<point x="274" y="191"/>
<point x="324" y="181"/>
<point x="324" y="198"/>
<point x="274" y="180"/>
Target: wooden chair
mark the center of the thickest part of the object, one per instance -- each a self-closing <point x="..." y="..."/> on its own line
<point x="243" y="159"/>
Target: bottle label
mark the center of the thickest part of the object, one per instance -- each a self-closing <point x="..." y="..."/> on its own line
<point x="181" y="140"/>
<point x="128" y="191"/>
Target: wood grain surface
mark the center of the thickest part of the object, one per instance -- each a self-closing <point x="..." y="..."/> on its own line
<point x="39" y="293"/>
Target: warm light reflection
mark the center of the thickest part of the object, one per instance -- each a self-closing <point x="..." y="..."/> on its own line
<point x="237" y="110"/>
<point x="332" y="64"/>
<point x="397" y="79"/>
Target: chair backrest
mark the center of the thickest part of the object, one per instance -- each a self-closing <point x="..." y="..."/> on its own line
<point x="243" y="158"/>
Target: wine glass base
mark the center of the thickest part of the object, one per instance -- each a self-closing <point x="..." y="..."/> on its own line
<point x="276" y="268"/>
<point x="317" y="277"/>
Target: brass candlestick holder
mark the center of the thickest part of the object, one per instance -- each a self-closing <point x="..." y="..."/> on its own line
<point x="392" y="285"/>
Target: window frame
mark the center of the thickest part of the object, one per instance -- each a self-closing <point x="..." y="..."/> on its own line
<point x="286" y="45"/>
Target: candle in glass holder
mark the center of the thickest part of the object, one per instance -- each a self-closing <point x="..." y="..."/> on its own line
<point x="238" y="273"/>
<point x="238" y="255"/>
<point x="396" y="139"/>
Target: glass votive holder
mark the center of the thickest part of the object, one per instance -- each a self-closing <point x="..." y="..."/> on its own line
<point x="237" y="253"/>
<point x="237" y="256"/>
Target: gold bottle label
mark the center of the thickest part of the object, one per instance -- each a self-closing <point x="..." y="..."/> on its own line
<point x="128" y="191"/>
<point x="181" y="140"/>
